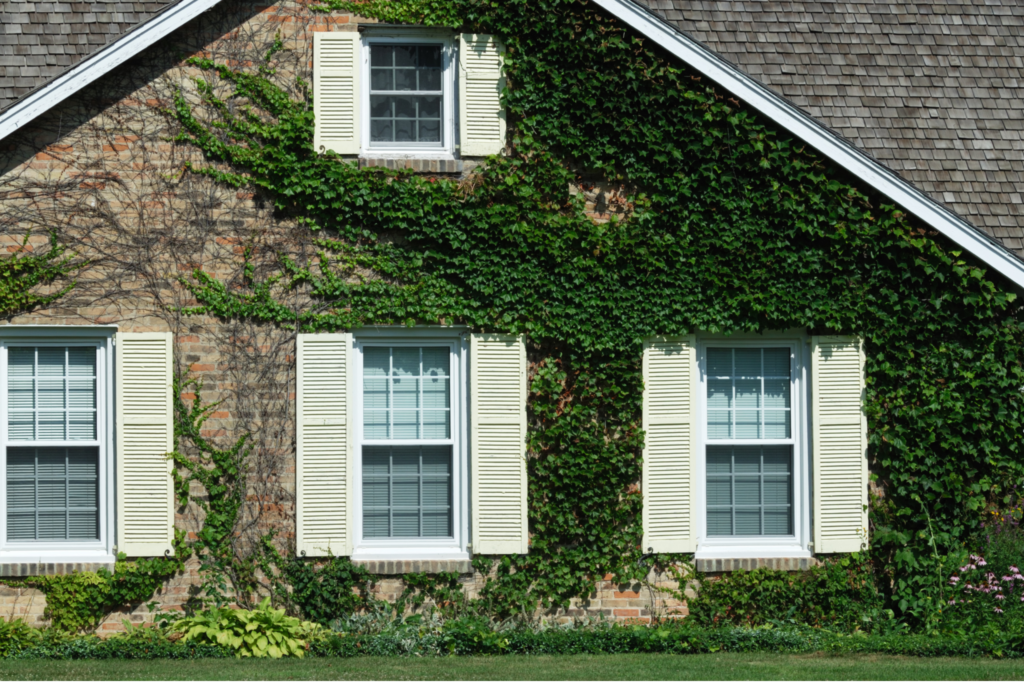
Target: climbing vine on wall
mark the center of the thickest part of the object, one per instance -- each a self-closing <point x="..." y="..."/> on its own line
<point x="728" y="225"/>
<point x="24" y="271"/>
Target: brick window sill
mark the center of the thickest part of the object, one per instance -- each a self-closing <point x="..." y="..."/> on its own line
<point x="417" y="566"/>
<point x="445" y="166"/>
<point x="25" y="570"/>
<point x="777" y="563"/>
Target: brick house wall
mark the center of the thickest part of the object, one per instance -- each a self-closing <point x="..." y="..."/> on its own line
<point x="100" y="170"/>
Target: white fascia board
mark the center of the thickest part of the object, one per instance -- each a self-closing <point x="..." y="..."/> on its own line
<point x="702" y="59"/>
<point x="113" y="55"/>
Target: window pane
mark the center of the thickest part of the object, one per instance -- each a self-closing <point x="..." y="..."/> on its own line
<point x="749" y="490"/>
<point x="408" y="390"/>
<point x="382" y="79"/>
<point x="407" y="491"/>
<point x="405" y="79"/>
<point x="51" y="393"/>
<point x="405" y="55"/>
<point x="52" y="494"/>
<point x="749" y="389"/>
<point x="776" y="362"/>
<point x="430" y="57"/>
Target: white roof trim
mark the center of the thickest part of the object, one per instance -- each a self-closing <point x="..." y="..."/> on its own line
<point x="92" y="67"/>
<point x="800" y="124"/>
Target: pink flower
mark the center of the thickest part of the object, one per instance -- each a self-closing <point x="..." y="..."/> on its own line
<point x="1013" y="569"/>
<point x="997" y="610"/>
<point x="954" y="580"/>
<point x="982" y="562"/>
<point x="1000" y="596"/>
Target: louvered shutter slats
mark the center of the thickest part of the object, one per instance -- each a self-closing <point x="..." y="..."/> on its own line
<point x="324" y="446"/>
<point x="336" y="92"/>
<point x="670" y="384"/>
<point x="839" y="442"/>
<point x="498" y="444"/>
<point x="145" y="432"/>
<point x="481" y="118"/>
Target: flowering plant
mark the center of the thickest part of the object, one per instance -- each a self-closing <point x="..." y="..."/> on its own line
<point x="981" y="594"/>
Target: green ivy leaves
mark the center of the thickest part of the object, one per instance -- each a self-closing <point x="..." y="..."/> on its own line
<point x="733" y="226"/>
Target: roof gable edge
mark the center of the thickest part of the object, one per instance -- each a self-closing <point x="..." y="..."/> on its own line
<point x="94" y="66"/>
<point x="809" y="129"/>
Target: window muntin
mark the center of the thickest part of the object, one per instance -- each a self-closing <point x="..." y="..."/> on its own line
<point x="53" y="488"/>
<point x="749" y="445"/>
<point x="407" y="452"/>
<point x="407" y="106"/>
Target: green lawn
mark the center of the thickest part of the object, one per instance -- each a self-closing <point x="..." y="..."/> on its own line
<point x="609" y="667"/>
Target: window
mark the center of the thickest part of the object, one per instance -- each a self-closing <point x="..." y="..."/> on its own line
<point x="752" y="448"/>
<point x="409" y="100"/>
<point x="55" y="452"/>
<point x="409" y="454"/>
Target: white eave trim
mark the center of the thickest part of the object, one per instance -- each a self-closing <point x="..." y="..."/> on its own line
<point x="96" y="65"/>
<point x="805" y="127"/>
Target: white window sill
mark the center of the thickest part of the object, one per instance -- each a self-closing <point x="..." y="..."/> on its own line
<point x="753" y="552"/>
<point x="382" y="155"/>
<point x="56" y="557"/>
<point x="410" y="554"/>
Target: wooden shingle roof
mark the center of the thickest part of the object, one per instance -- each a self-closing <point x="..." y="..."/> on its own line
<point x="932" y="90"/>
<point x="41" y="40"/>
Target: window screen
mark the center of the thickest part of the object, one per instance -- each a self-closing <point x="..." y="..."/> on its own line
<point x="406" y="95"/>
<point x="749" y="485"/>
<point x="52" y="492"/>
<point x="407" y="484"/>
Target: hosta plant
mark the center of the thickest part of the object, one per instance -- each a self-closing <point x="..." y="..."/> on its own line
<point x="260" y="633"/>
<point x="16" y="635"/>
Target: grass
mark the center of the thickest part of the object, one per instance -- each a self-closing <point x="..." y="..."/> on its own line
<point x="608" y="667"/>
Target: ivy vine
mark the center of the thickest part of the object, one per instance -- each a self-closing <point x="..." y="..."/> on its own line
<point x="731" y="225"/>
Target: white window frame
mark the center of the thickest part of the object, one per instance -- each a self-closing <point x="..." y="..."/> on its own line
<point x="781" y="546"/>
<point x="57" y="551"/>
<point x="398" y="36"/>
<point x="454" y="548"/>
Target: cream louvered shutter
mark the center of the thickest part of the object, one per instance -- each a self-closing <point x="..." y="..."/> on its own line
<point x="498" y="443"/>
<point x="145" y="436"/>
<point x="336" y="103"/>
<point x="670" y="452"/>
<point x="323" y="469"/>
<point x="481" y="117"/>
<point x="839" y="442"/>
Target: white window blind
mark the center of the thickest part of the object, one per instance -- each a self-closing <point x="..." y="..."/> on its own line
<point x="749" y="442"/>
<point x="407" y="442"/>
<point x="53" y="488"/>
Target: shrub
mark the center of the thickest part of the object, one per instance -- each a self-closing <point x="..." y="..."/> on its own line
<point x="262" y="632"/>
<point x="839" y="594"/>
<point x="16" y="635"/>
<point x="322" y="592"/>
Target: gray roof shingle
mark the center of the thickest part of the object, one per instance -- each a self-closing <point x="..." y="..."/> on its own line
<point x="932" y="89"/>
<point x="41" y="40"/>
